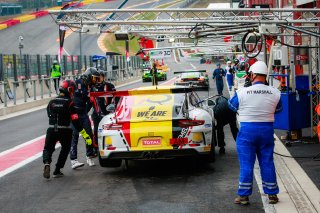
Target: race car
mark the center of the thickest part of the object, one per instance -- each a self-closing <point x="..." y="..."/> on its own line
<point x="156" y="123"/>
<point x="161" y="76"/>
<point x="198" y="78"/>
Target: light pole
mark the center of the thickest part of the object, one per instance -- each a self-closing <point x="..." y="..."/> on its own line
<point x="20" y="48"/>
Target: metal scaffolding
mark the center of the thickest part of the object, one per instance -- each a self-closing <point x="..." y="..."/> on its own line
<point x="209" y="24"/>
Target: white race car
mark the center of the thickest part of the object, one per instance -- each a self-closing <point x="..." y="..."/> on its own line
<point x="156" y="123"/>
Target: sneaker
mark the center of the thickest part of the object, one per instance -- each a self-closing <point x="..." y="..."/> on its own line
<point x="242" y="200"/>
<point x="90" y="161"/>
<point x="46" y="171"/>
<point x="57" y="173"/>
<point x="222" y="150"/>
<point x="76" y="164"/>
<point x="273" y="199"/>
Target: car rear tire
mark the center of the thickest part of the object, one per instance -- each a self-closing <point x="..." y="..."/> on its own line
<point x="110" y="162"/>
<point x="211" y="157"/>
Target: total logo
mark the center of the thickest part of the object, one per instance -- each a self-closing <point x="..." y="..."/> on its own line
<point x="151" y="142"/>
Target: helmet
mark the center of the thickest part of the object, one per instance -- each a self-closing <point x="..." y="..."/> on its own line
<point x="55" y="62"/>
<point x="259" y="68"/>
<point x="228" y="62"/>
<point x="242" y="66"/>
<point x="67" y="87"/>
<point x="91" y="75"/>
<point x="218" y="64"/>
<point x="236" y="61"/>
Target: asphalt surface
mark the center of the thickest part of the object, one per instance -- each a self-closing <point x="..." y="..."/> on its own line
<point x="40" y="35"/>
<point x="147" y="186"/>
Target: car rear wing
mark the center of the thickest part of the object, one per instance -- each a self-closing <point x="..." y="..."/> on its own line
<point x="189" y="71"/>
<point x="142" y="92"/>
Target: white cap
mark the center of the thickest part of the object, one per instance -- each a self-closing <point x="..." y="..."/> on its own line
<point x="259" y="67"/>
<point x="228" y="62"/>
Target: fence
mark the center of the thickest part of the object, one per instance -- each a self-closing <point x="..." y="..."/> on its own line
<point x="28" y="76"/>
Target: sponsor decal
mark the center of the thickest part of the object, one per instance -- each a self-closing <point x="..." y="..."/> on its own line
<point x="151" y="142"/>
<point x="207" y="125"/>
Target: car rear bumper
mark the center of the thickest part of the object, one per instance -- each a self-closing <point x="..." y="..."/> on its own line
<point x="154" y="154"/>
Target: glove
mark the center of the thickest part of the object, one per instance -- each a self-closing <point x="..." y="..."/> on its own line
<point x="86" y="137"/>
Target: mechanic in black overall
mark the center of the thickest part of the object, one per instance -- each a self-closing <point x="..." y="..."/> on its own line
<point x="61" y="111"/>
<point x="82" y="101"/>
<point x="154" y="74"/>
<point x="224" y="115"/>
<point x="102" y="102"/>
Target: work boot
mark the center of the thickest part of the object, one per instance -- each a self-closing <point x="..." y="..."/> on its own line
<point x="57" y="173"/>
<point x="90" y="161"/>
<point x="222" y="150"/>
<point x="242" y="200"/>
<point x="76" y="164"/>
<point x="46" y="171"/>
<point x="273" y="199"/>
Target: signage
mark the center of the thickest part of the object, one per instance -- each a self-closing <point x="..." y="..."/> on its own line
<point x="280" y="55"/>
<point x="158" y="54"/>
<point x="301" y="56"/>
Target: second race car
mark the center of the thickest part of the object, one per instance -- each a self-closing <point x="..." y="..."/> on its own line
<point x="197" y="78"/>
<point x="147" y="76"/>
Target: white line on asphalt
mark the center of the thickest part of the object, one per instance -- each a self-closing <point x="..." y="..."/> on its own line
<point x="194" y="67"/>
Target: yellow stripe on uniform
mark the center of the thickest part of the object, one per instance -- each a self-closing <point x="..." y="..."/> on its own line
<point x="151" y="121"/>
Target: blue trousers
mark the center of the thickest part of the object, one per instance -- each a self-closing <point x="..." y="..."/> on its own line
<point x="85" y="122"/>
<point x="256" y="140"/>
<point x="230" y="81"/>
<point x="219" y="84"/>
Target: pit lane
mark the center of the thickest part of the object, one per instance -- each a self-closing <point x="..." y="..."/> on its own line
<point x="148" y="186"/>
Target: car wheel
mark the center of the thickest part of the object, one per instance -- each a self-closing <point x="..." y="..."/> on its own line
<point x="211" y="157"/>
<point x="110" y="162"/>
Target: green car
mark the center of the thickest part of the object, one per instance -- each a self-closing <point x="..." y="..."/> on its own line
<point x="161" y="76"/>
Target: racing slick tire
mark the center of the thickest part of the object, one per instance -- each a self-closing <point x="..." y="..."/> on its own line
<point x="211" y="157"/>
<point x="110" y="162"/>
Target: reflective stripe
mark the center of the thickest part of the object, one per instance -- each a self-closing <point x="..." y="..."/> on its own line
<point x="245" y="184"/>
<point x="270" y="187"/>
<point x="244" y="187"/>
<point x="270" y="184"/>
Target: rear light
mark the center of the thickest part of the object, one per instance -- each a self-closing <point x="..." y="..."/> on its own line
<point x="178" y="141"/>
<point x="187" y="123"/>
<point x="201" y="79"/>
<point x="111" y="148"/>
<point x="194" y="144"/>
<point x="111" y="126"/>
